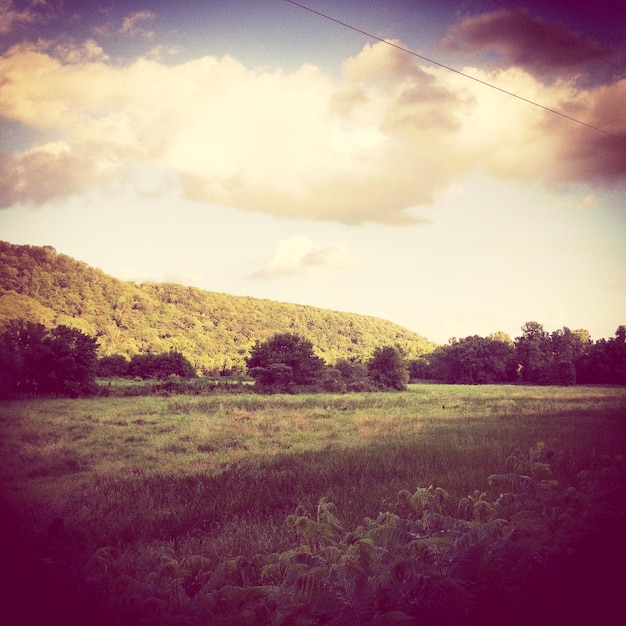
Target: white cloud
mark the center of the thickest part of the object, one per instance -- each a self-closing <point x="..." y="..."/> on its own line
<point x="45" y="173"/>
<point x="88" y="52"/>
<point x="65" y="50"/>
<point x="163" y="52"/>
<point x="392" y="136"/>
<point x="33" y="12"/>
<point x="301" y="255"/>
<point x="131" y="24"/>
<point x="582" y="203"/>
<point x="190" y="280"/>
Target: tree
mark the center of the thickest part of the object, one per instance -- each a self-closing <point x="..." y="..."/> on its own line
<point x="616" y="350"/>
<point x="114" y="365"/>
<point x="284" y="360"/>
<point x="565" y="373"/>
<point x="332" y="380"/>
<point x="388" y="369"/>
<point x="23" y="341"/>
<point x="594" y="366"/>
<point x="9" y="370"/>
<point x="419" y="369"/>
<point x="59" y="361"/>
<point x="73" y="361"/>
<point x="534" y="353"/>
<point x="354" y="374"/>
<point x="568" y="345"/>
<point x="500" y="336"/>
<point x="475" y="360"/>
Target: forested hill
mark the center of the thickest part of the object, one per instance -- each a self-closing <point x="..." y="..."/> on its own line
<point x="213" y="330"/>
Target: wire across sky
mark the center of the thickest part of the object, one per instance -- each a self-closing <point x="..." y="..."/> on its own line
<point x="459" y="72"/>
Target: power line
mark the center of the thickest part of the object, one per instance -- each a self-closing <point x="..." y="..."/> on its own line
<point x="539" y="25"/>
<point x="455" y="71"/>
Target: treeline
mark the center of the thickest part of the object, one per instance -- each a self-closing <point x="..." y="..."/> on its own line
<point x="288" y="363"/>
<point x="63" y="361"/>
<point x="214" y="331"/>
<point x="285" y="363"/>
<point x="537" y="357"/>
<point x="146" y="366"/>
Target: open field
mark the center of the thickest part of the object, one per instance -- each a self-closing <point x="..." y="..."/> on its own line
<point x="139" y="480"/>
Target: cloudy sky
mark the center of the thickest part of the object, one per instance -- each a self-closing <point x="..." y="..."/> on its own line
<point x="262" y="149"/>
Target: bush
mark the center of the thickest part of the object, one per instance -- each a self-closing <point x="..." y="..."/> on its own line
<point x="112" y="366"/>
<point x="160" y="366"/>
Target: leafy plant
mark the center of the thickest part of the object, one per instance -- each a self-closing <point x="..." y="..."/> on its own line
<point x="483" y="559"/>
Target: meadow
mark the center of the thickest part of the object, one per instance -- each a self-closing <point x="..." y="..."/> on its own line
<point x="105" y="494"/>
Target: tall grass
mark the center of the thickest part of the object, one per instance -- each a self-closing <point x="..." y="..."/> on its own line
<point x="216" y="476"/>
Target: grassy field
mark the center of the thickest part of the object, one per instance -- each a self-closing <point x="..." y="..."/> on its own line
<point x="116" y="485"/>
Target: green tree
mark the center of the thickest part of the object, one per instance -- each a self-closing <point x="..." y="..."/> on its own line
<point x="500" y="335"/>
<point x="9" y="370"/>
<point x="419" y="369"/>
<point x="114" y="365"/>
<point x="61" y="360"/>
<point x="388" y="369"/>
<point x="23" y="341"/>
<point x="474" y="360"/>
<point x="332" y="380"/>
<point x="283" y="360"/>
<point x="73" y="361"/>
<point x="565" y="373"/>
<point x="594" y="366"/>
<point x="354" y="374"/>
<point x="616" y="351"/>
<point x="535" y="356"/>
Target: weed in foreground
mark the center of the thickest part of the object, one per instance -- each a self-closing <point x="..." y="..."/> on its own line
<point x="218" y="478"/>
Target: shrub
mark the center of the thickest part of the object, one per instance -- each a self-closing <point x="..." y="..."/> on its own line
<point x="160" y="366"/>
<point x="112" y="366"/>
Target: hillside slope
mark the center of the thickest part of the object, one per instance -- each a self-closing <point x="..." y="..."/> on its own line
<point x="213" y="330"/>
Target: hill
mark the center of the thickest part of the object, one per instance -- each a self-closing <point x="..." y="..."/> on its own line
<point x="215" y="331"/>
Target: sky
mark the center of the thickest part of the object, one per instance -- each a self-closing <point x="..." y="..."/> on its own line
<point x="456" y="167"/>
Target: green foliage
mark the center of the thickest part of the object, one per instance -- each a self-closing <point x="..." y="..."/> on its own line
<point x="604" y="361"/>
<point x="556" y="358"/>
<point x="474" y="360"/>
<point x="9" y="369"/>
<point x="160" y="366"/>
<point x="36" y="360"/>
<point x="287" y="363"/>
<point x="535" y="355"/>
<point x="283" y="361"/>
<point x="489" y="559"/>
<point x="214" y="331"/>
<point x="354" y="375"/>
<point x="565" y="373"/>
<point x="388" y="369"/>
<point x="563" y="357"/>
<point x="112" y="366"/>
<point x="174" y="507"/>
